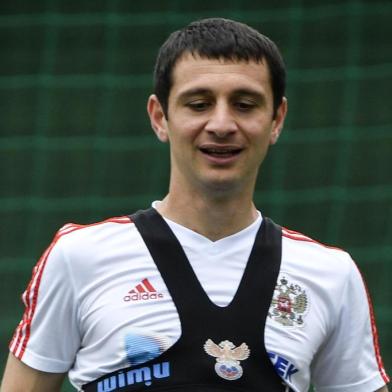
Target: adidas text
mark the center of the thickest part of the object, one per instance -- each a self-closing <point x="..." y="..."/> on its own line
<point x="142" y="296"/>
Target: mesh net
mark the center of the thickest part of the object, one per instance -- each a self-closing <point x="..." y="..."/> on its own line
<point x="76" y="145"/>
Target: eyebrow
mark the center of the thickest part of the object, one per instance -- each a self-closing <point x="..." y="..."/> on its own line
<point x="193" y="92"/>
<point x="260" y="96"/>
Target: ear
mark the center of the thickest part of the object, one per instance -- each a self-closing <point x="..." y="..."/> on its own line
<point x="277" y="124"/>
<point x="157" y="118"/>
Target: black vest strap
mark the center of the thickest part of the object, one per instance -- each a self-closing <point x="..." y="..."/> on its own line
<point x="242" y="321"/>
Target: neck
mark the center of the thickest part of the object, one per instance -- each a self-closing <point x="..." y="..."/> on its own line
<point x="212" y="217"/>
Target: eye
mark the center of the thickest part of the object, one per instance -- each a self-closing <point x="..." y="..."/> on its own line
<point x="245" y="106"/>
<point x="198" y="106"/>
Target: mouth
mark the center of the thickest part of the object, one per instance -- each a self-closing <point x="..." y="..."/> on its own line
<point x="221" y="152"/>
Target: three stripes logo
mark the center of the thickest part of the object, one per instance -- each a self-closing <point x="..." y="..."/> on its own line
<point x="142" y="292"/>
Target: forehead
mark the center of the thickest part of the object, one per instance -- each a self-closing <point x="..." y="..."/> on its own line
<point x="192" y="72"/>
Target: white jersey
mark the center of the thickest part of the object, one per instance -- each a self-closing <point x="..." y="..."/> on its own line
<point x="97" y="303"/>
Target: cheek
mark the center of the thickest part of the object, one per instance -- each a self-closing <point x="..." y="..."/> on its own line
<point x="186" y="131"/>
<point x="259" y="134"/>
<point x="179" y="141"/>
<point x="260" y="139"/>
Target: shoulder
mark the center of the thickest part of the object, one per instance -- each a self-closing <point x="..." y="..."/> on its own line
<point x="325" y="273"/>
<point x="74" y="231"/>
<point x="312" y="254"/>
<point x="75" y="236"/>
<point x="83" y="254"/>
<point x="80" y="244"/>
<point x="325" y="278"/>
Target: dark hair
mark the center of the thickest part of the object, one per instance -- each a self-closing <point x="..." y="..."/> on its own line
<point x="218" y="38"/>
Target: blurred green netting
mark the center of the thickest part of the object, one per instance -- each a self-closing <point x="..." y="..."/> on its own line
<point x="76" y="145"/>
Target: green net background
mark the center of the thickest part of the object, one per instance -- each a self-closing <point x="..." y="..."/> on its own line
<point x="76" y="145"/>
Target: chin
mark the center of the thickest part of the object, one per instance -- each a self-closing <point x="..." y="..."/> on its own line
<point x="224" y="186"/>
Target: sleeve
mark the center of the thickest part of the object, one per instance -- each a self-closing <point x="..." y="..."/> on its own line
<point x="350" y="359"/>
<point x="47" y="337"/>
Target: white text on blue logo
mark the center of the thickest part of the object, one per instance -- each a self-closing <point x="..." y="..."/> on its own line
<point x="134" y="376"/>
<point x="283" y="367"/>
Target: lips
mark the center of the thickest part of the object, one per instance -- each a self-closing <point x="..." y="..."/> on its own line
<point x="220" y="151"/>
<point x="220" y="155"/>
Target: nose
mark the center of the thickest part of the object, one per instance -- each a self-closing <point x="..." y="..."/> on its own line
<point x="221" y="121"/>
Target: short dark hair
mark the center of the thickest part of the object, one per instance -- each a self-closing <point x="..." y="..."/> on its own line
<point x="218" y="38"/>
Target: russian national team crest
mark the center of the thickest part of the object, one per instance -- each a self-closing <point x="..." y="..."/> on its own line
<point x="289" y="304"/>
<point x="228" y="358"/>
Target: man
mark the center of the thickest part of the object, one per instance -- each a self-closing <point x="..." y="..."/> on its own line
<point x="200" y="292"/>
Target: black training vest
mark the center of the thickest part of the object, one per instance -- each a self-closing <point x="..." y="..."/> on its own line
<point x="186" y="367"/>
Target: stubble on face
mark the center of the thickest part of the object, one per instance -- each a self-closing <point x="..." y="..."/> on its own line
<point x="225" y="106"/>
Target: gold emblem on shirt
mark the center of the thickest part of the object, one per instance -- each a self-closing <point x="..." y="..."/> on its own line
<point x="228" y="358"/>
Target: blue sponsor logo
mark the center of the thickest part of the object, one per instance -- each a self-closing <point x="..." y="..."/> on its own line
<point x="135" y="376"/>
<point x="141" y="348"/>
<point x="282" y="366"/>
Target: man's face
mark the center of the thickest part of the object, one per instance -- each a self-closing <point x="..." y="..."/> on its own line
<point x="220" y="123"/>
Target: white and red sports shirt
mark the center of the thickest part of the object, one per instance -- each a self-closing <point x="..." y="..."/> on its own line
<point x="97" y="303"/>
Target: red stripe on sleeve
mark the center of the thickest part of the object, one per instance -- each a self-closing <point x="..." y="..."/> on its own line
<point x="374" y="332"/>
<point x="21" y="336"/>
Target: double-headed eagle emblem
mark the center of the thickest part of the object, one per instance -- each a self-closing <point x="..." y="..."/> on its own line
<point x="228" y="358"/>
<point x="289" y="304"/>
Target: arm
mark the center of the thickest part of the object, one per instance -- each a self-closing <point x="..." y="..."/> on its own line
<point x="350" y="358"/>
<point x="40" y="352"/>
<point x="19" y="377"/>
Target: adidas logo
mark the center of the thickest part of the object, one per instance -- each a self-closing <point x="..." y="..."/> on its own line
<point x="142" y="292"/>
